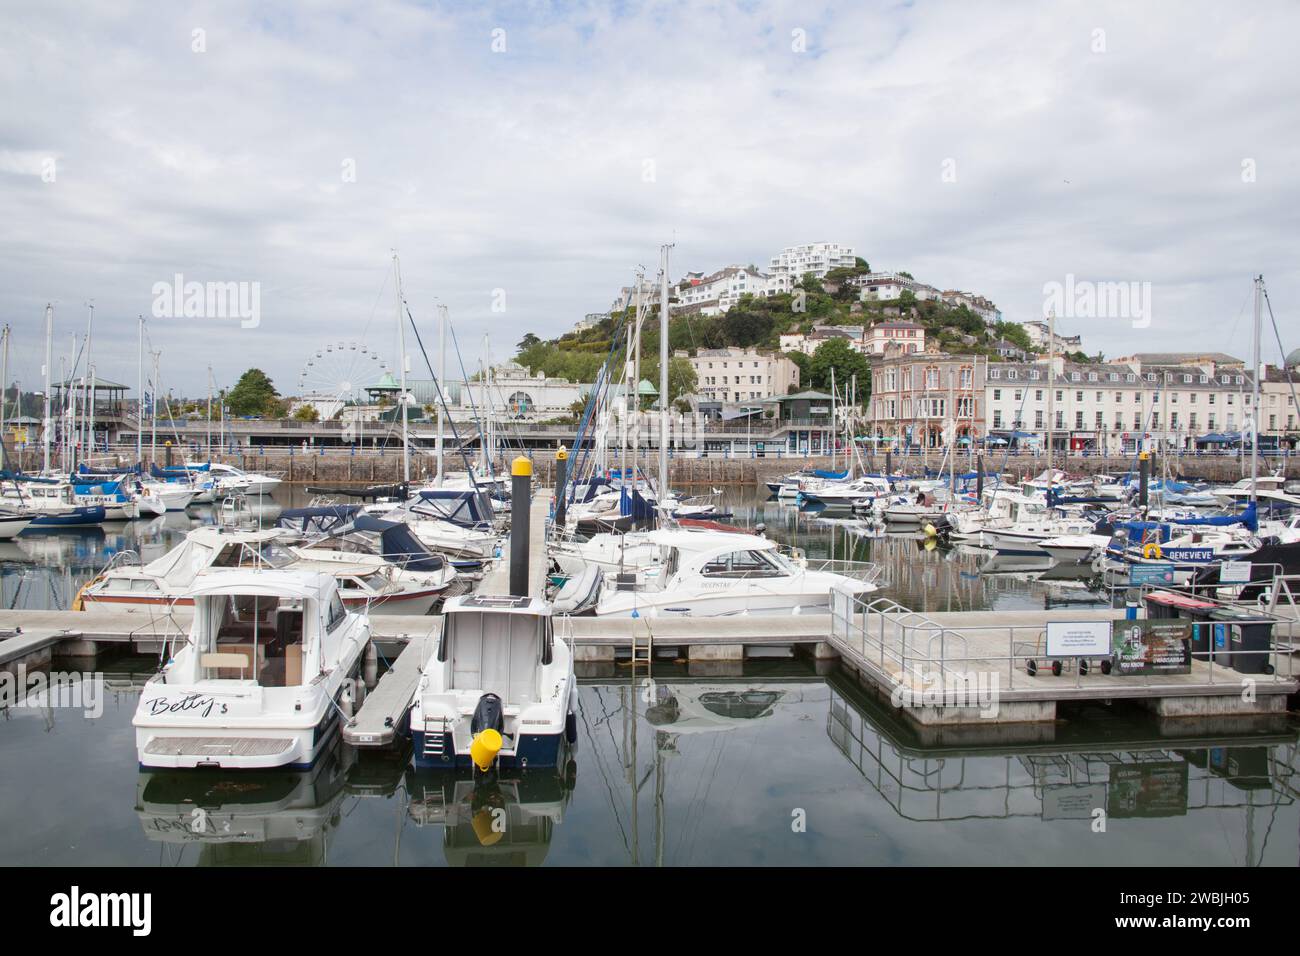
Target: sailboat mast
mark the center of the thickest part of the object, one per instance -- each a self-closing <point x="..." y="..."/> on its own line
<point x="4" y="382"/>
<point x="209" y="422"/>
<point x="401" y="348"/>
<point x="88" y="393"/>
<point x="48" y="432"/>
<point x="153" y="410"/>
<point x="1254" y="406"/>
<point x="442" y="382"/>
<point x="139" y="411"/>
<point x="662" y="495"/>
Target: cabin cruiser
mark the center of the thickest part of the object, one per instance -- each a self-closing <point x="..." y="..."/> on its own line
<point x="366" y="581"/>
<point x="271" y="661"/>
<point x="1077" y="548"/>
<point x="633" y="551"/>
<point x="845" y="495"/>
<point x="739" y="574"/>
<point x="1026" y="535"/>
<point x="229" y="480"/>
<point x="500" y="690"/>
<point x="1242" y="491"/>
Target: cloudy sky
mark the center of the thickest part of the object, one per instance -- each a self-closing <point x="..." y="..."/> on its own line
<point x="547" y="149"/>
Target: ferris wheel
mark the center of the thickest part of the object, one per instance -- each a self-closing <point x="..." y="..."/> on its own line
<point x="340" y="371"/>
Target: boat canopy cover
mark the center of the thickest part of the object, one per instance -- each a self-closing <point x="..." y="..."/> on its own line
<point x="831" y="475"/>
<point x="588" y="490"/>
<point x="7" y="475"/>
<point x="399" y="545"/>
<point x="462" y="507"/>
<point x="99" y="488"/>
<point x="1249" y="517"/>
<point x="322" y="519"/>
<point x="169" y="473"/>
<point x="84" y="469"/>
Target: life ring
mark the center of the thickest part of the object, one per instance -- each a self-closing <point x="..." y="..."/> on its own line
<point x="1152" y="550"/>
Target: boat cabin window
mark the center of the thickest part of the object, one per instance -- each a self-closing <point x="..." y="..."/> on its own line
<point x="238" y="554"/>
<point x="255" y="637"/>
<point x="742" y="564"/>
<point x="337" y="612"/>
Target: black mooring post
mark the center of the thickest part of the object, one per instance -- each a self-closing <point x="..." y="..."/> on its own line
<point x="561" y="476"/>
<point x="521" y="482"/>
<point x="1144" y="477"/>
<point x="979" y="478"/>
<point x="889" y="464"/>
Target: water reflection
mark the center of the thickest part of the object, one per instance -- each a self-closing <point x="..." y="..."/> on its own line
<point x="1125" y="764"/>
<point x="683" y="770"/>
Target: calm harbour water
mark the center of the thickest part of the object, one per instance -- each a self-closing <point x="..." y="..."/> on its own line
<point x="780" y="766"/>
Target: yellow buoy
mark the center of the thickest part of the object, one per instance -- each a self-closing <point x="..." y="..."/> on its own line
<point x="484" y="749"/>
<point x="483" y="829"/>
<point x="929" y="531"/>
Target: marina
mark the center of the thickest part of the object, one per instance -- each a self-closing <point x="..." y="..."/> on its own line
<point x="720" y="437"/>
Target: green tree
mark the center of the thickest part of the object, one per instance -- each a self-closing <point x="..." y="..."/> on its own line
<point x="682" y="379"/>
<point x="306" y="412"/>
<point x="253" y="394"/>
<point x="837" y="354"/>
<point x="1015" y="333"/>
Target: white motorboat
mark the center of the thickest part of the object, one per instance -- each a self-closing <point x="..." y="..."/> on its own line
<point x="229" y="480"/>
<point x="499" y="692"/>
<point x="847" y="495"/>
<point x="1241" y="492"/>
<point x="1074" y="548"/>
<point x="1026" y="535"/>
<point x="367" y="581"/>
<point x="270" y="664"/>
<point x="738" y="575"/>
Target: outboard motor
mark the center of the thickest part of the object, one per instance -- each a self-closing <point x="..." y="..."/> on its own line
<point x="489" y="714"/>
<point x="486" y="727"/>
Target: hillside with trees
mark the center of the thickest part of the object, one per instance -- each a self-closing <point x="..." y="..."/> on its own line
<point x="759" y="322"/>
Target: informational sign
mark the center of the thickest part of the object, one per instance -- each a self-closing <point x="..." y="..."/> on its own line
<point x="1155" y="573"/>
<point x="1078" y="639"/>
<point x="1234" y="572"/>
<point x="1152" y="647"/>
<point x="1156" y="789"/>
<point x="1072" y="801"/>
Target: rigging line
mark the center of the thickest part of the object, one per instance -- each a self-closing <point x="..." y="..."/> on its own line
<point x="473" y="406"/>
<point x="437" y="385"/>
<point x="1289" y="377"/>
<point x="603" y="379"/>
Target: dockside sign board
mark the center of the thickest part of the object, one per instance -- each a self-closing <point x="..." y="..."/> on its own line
<point x="1152" y="647"/>
<point x="1078" y="638"/>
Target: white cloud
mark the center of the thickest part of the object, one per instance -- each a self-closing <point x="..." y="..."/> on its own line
<point x="523" y="170"/>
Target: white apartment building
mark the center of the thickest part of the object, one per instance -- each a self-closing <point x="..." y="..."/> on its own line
<point x="818" y="258"/>
<point x="715" y="294"/>
<point x="978" y="304"/>
<point x="1112" y="407"/>
<point x="807" y="344"/>
<point x="884" y="286"/>
<point x="1038" y="332"/>
<point x="731" y="376"/>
